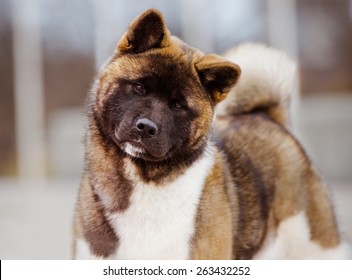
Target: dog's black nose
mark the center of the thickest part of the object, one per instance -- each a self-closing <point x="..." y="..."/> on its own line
<point x="146" y="127"/>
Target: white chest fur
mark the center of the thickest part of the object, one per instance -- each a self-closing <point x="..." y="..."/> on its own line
<point x="160" y="220"/>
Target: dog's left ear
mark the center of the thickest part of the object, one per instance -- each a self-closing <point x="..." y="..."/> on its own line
<point x="217" y="75"/>
<point x="146" y="32"/>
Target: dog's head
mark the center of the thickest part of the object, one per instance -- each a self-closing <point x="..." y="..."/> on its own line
<point x="156" y="96"/>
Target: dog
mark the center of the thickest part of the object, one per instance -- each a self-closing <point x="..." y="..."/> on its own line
<point x="190" y="156"/>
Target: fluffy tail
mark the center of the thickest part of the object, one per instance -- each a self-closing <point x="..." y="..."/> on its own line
<point x="267" y="83"/>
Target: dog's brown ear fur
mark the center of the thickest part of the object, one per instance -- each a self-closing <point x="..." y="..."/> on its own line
<point x="217" y="75"/>
<point x="146" y="32"/>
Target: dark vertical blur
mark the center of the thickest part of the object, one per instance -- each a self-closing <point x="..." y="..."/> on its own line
<point x="7" y="117"/>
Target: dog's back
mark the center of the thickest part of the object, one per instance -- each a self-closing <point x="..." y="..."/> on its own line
<point x="285" y="209"/>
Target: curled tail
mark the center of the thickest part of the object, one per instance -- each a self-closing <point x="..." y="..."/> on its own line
<point x="267" y="83"/>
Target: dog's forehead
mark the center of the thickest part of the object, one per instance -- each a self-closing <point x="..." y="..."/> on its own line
<point x="178" y="59"/>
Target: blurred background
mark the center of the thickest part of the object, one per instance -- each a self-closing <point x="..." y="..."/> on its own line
<point x="51" y="50"/>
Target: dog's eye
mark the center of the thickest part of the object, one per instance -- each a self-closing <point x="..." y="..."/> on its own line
<point x="139" y="88"/>
<point x="178" y="106"/>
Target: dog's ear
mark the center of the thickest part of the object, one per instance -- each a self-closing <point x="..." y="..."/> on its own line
<point x="217" y="75"/>
<point x="145" y="32"/>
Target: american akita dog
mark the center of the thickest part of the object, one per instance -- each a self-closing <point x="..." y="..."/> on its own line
<point x="165" y="178"/>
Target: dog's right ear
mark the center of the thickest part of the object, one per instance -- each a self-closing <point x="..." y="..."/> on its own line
<point x="146" y="32"/>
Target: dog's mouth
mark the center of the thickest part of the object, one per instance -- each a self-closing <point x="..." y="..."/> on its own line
<point x="134" y="150"/>
<point x="138" y="151"/>
<point x="134" y="145"/>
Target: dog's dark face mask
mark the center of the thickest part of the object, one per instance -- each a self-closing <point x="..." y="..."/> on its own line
<point x="156" y="96"/>
<point x="151" y="115"/>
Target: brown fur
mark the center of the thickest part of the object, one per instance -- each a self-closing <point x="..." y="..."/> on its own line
<point x="215" y="221"/>
<point x="92" y="224"/>
<point x="289" y="183"/>
<point x="260" y="205"/>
